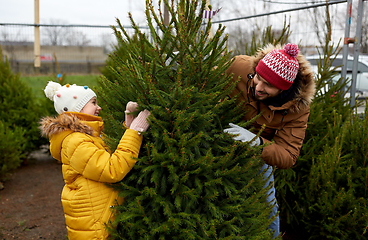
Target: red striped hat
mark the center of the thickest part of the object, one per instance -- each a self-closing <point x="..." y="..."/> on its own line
<point x="280" y="67"/>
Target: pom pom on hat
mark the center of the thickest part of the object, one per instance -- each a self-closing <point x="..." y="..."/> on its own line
<point x="280" y="66"/>
<point x="68" y="98"/>
<point x="291" y="49"/>
<point x="50" y="90"/>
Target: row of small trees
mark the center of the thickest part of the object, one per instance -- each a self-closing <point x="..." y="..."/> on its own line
<point x="325" y="195"/>
<point x="19" y="116"/>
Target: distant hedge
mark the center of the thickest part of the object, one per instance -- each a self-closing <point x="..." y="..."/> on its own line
<point x="19" y="117"/>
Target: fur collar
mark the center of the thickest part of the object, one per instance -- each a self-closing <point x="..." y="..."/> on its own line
<point x="64" y="122"/>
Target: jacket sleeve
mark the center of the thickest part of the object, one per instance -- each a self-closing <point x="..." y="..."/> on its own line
<point x="95" y="162"/>
<point x="285" y="149"/>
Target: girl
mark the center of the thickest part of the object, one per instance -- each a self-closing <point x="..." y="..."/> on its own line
<point x="86" y="163"/>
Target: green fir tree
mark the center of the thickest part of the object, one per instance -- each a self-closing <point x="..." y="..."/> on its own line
<point x="324" y="196"/>
<point x="191" y="181"/>
<point x="19" y="113"/>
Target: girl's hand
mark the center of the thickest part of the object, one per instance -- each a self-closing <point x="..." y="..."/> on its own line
<point x="140" y="123"/>
<point x="130" y="107"/>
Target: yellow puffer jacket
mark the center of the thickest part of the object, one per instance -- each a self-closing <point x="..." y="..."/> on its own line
<point x="87" y="167"/>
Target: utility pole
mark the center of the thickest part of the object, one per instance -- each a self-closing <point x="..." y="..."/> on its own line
<point x="37" y="48"/>
<point x="208" y="3"/>
<point x="347" y="39"/>
<point x="166" y="15"/>
<point x="357" y="44"/>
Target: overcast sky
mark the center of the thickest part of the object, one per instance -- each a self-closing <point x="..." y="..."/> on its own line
<point x="91" y="12"/>
<point x="105" y="12"/>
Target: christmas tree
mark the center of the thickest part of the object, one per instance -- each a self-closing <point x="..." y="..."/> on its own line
<point x="191" y="181"/>
<point x="324" y="196"/>
<point x="19" y="116"/>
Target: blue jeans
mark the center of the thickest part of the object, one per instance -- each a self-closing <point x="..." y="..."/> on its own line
<point x="271" y="198"/>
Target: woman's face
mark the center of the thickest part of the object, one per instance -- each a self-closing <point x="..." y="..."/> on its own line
<point x="264" y="89"/>
<point x="91" y="107"/>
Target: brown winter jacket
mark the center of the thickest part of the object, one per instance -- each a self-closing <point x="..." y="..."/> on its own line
<point x="286" y="123"/>
<point x="87" y="167"/>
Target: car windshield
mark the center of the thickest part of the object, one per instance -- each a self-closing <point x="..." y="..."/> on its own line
<point x="362" y="81"/>
<point x="362" y="76"/>
<point x="362" y="67"/>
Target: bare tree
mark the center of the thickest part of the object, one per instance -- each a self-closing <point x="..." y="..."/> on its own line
<point x="238" y="39"/>
<point x="241" y="32"/>
<point x="322" y="19"/>
<point x="56" y="34"/>
<point x="107" y="42"/>
<point x="77" y="38"/>
<point x="9" y="41"/>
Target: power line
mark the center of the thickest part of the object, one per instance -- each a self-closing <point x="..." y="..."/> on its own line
<point x="310" y="2"/>
<point x="281" y="11"/>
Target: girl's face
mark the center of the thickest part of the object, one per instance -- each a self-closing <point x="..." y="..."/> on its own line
<point x="264" y="89"/>
<point x="91" y="107"/>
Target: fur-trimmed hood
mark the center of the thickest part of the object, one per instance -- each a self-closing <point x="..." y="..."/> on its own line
<point x="284" y="116"/>
<point x="305" y="77"/>
<point x="58" y="128"/>
<point x="74" y="122"/>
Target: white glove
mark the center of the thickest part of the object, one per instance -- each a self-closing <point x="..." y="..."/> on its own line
<point x="140" y="123"/>
<point x="130" y="107"/>
<point x="242" y="134"/>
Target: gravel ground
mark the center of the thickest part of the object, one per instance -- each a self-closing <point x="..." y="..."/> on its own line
<point x="30" y="206"/>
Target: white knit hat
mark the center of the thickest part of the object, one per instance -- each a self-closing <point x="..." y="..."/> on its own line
<point x="68" y="98"/>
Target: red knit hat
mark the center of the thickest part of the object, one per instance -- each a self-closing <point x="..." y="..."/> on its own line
<point x="280" y="67"/>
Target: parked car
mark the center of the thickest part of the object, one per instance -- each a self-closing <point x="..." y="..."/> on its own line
<point x="362" y="76"/>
